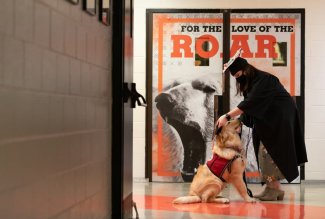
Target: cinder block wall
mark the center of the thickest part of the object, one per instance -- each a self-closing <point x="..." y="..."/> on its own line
<point x="55" y="108"/>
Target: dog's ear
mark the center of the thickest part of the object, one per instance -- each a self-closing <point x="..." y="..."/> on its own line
<point x="218" y="130"/>
<point x="220" y="137"/>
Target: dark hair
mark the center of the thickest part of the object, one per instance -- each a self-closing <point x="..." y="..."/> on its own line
<point x="249" y="72"/>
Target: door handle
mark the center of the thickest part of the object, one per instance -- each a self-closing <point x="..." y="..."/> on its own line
<point x="134" y="95"/>
<point x="126" y="92"/>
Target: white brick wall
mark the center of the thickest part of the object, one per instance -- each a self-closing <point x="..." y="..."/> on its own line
<point x="55" y="98"/>
<point x="314" y="74"/>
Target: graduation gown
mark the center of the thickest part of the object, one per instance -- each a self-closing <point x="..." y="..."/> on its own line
<point x="272" y="112"/>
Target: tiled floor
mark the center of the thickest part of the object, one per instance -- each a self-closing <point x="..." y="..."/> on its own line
<point x="154" y="200"/>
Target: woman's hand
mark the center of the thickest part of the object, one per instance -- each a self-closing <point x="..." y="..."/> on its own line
<point x="221" y="121"/>
<point x="231" y="114"/>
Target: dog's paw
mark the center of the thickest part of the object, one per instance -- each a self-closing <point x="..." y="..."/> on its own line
<point x="224" y="200"/>
<point x="187" y="200"/>
<point x="220" y="200"/>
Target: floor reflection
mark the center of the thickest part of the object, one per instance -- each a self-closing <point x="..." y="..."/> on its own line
<point x="301" y="201"/>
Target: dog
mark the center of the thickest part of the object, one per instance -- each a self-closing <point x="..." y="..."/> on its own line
<point x="206" y="184"/>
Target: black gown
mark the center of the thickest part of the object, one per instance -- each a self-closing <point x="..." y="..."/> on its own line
<point x="272" y="112"/>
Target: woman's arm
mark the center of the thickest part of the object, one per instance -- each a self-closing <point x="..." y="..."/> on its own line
<point x="235" y="112"/>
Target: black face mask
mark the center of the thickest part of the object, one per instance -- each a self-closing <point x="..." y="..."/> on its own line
<point x="241" y="79"/>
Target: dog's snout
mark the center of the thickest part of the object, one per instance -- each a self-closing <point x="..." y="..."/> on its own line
<point x="164" y="100"/>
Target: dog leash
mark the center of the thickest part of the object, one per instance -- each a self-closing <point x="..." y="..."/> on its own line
<point x="249" y="136"/>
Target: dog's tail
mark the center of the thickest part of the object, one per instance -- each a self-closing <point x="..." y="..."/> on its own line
<point x="187" y="199"/>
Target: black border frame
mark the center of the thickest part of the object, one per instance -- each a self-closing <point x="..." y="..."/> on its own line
<point x="74" y="3"/>
<point x="224" y="101"/>
<point x="117" y="107"/>
<point x="100" y="12"/>
<point x="84" y="7"/>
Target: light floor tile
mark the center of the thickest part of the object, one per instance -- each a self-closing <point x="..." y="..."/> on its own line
<point x="305" y="200"/>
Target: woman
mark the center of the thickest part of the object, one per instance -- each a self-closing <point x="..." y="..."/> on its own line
<point x="271" y="112"/>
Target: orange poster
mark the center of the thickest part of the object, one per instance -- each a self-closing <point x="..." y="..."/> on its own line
<point x="186" y="60"/>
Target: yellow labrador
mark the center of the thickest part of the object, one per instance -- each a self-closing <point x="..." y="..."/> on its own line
<point x="226" y="166"/>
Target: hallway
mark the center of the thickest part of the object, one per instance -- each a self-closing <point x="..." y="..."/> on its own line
<point x="154" y="200"/>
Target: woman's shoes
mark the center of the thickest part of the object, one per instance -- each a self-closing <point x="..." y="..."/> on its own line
<point x="262" y="193"/>
<point x="270" y="194"/>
